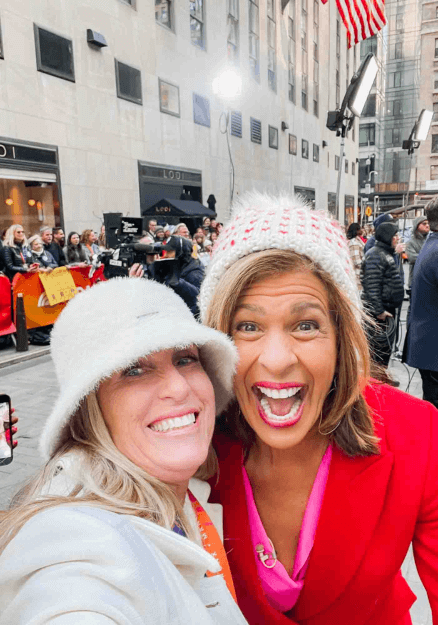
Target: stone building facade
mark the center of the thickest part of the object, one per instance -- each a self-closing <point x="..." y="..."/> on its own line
<point x="108" y="105"/>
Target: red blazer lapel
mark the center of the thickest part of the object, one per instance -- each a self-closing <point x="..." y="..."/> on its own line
<point x="353" y="500"/>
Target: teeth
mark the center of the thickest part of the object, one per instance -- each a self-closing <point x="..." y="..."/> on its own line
<point x="173" y="424"/>
<point x="282" y="393"/>
<point x="280" y="419"/>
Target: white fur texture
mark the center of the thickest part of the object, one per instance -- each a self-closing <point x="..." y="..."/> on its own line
<point x="261" y="222"/>
<point x="111" y="325"/>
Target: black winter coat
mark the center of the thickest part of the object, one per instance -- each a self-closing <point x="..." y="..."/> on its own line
<point x="57" y="252"/>
<point x="382" y="284"/>
<point x="13" y="258"/>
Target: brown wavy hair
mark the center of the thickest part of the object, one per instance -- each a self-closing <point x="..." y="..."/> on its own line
<point x="345" y="417"/>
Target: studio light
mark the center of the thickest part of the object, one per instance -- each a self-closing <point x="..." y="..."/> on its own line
<point x="366" y="75"/>
<point x="228" y="84"/>
<point x="423" y="125"/>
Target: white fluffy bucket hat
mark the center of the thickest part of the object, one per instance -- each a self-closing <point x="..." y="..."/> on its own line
<point x="110" y="326"/>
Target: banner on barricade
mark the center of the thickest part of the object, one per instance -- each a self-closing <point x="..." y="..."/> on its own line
<point x="6" y="324"/>
<point x="58" y="285"/>
<point x="36" y="304"/>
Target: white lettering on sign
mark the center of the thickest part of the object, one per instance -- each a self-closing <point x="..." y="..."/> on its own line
<point x="162" y="209"/>
<point x="2" y="151"/>
<point x="171" y="174"/>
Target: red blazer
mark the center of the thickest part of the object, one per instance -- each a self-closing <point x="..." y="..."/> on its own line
<point x="373" y="508"/>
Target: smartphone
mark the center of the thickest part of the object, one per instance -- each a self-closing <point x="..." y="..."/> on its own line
<point x="6" y="442"/>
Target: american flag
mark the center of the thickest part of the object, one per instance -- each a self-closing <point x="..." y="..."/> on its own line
<point x="362" y="18"/>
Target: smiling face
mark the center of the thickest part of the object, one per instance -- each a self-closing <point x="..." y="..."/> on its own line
<point x="286" y="340"/>
<point x="74" y="239"/>
<point x="37" y="245"/>
<point x="19" y="235"/>
<point x="160" y="413"/>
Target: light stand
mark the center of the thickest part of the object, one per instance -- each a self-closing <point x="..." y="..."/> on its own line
<point x="341" y="120"/>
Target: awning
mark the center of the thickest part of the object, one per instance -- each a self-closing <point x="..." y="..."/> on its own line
<point x="21" y="174"/>
<point x="179" y="208"/>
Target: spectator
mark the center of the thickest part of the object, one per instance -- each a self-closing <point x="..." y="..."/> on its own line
<point x="371" y="241"/>
<point x="101" y="240"/>
<point x="206" y="222"/>
<point x="152" y="225"/>
<point x="17" y="255"/>
<point x="219" y="227"/>
<point x="88" y="240"/>
<point x="59" y="236"/>
<point x="356" y="248"/>
<point x="40" y="255"/>
<point x="199" y="239"/>
<point x="159" y="234"/>
<point x="383" y="291"/>
<point x="422" y="336"/>
<point x="77" y="255"/>
<point x="181" y="230"/>
<point x="420" y="230"/>
<point x="213" y="236"/>
<point x="52" y="246"/>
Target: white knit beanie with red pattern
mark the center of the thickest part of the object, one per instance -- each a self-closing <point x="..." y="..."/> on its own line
<point x="262" y="222"/>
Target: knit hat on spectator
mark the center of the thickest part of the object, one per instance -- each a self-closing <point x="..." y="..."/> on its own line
<point x="262" y="222"/>
<point x="386" y="231"/>
<point x="120" y="321"/>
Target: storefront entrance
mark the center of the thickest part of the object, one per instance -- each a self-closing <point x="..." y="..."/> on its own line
<point x="29" y="186"/>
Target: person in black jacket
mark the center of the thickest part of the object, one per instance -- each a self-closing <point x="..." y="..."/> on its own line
<point x="52" y="246"/>
<point x="383" y="290"/>
<point x="16" y="254"/>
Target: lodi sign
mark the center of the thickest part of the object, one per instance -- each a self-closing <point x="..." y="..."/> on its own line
<point x="27" y="154"/>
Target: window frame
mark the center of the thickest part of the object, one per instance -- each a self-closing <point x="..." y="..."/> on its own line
<point x="315" y="153"/>
<point x="42" y="68"/>
<point x="305" y="149"/>
<point x="254" y="71"/>
<point x="171" y="20"/>
<point x="434" y="144"/>
<point x="203" y="45"/>
<point x="293" y="145"/>
<point x="170" y="84"/>
<point x="273" y="137"/>
<point x="234" y="19"/>
<point x="271" y="23"/>
<point x="134" y="100"/>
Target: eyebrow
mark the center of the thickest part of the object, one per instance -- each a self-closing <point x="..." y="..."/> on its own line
<point x="294" y="309"/>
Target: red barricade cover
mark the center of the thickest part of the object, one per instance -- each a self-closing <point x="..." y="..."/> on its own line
<point x="6" y="324"/>
<point x="38" y="312"/>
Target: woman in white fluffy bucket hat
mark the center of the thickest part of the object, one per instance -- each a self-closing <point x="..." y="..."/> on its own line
<point x="114" y="527"/>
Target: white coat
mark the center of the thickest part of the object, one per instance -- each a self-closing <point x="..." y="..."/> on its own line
<point x="79" y="564"/>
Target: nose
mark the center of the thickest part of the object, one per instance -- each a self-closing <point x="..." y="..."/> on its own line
<point x="174" y="385"/>
<point x="278" y="354"/>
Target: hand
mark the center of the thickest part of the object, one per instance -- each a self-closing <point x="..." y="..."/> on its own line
<point x="14" y="430"/>
<point x="136" y="271"/>
<point x="383" y="316"/>
<point x="34" y="268"/>
<point x="83" y="264"/>
<point x="400" y="248"/>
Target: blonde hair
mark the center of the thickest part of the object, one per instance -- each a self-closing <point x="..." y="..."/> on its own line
<point x="9" y="239"/>
<point x="345" y="416"/>
<point x="85" y="236"/>
<point x="35" y="237"/>
<point x="105" y="479"/>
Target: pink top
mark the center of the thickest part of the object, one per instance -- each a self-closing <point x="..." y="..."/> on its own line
<point x="282" y="590"/>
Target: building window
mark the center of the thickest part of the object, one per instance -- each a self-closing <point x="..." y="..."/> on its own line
<point x="353" y="168"/>
<point x="368" y="46"/>
<point x="163" y="13"/>
<point x="197" y="23"/>
<point x="316" y="57"/>
<point x="254" y="40"/>
<point x="331" y="204"/>
<point x="233" y="32"/>
<point x="346" y="166"/>
<point x="1" y="44"/>
<point x="271" y="45"/>
<point x="128" y="81"/>
<point x="130" y="2"/>
<point x="291" y="74"/>
<point x="435" y="112"/>
<point x="304" y="24"/>
<point x="273" y="137"/>
<point x="316" y="153"/>
<point x="397" y="106"/>
<point x="256" y="130"/>
<point x="434" y="144"/>
<point x="201" y="110"/>
<point x="54" y="54"/>
<point x="304" y="148"/>
<point x="434" y="172"/>
<point x="169" y="98"/>
<point x="367" y="134"/>
<point x="338" y="63"/>
<point x="395" y="78"/>
<point x="436" y="48"/>
<point x="435" y="83"/>
<point x="399" y="22"/>
<point x="398" y="50"/>
<point x="392" y="136"/>
<point x="336" y="162"/>
<point x="292" y="145"/>
<point x="304" y="87"/>
<point x="236" y="124"/>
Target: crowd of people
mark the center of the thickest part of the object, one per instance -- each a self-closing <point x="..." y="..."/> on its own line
<point x="245" y="469"/>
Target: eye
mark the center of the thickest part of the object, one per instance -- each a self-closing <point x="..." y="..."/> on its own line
<point x="308" y="326"/>
<point x="246" y="326"/>
<point x="132" y="372"/>
<point x="187" y="359"/>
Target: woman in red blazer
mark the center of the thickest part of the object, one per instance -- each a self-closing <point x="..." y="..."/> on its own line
<point x="317" y="463"/>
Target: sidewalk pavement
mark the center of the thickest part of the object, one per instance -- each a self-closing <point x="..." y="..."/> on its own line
<point x="33" y="388"/>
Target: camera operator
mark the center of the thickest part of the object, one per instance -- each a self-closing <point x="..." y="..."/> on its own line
<point x="177" y="269"/>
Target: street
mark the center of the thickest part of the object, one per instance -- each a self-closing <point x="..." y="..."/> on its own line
<point x="33" y="388"/>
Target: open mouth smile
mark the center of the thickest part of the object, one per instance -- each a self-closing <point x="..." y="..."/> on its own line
<point x="174" y="423"/>
<point x="280" y="405"/>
